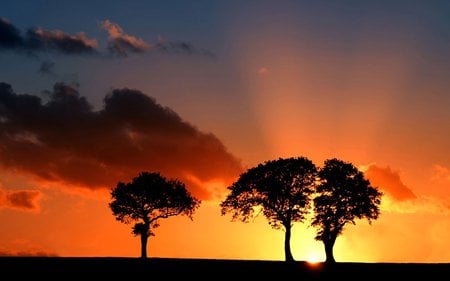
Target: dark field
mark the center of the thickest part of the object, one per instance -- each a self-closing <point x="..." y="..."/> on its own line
<point x="164" y="267"/>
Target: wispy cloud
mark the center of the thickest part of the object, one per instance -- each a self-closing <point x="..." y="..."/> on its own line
<point x="44" y="40"/>
<point x="420" y="205"/>
<point x="47" y="67"/>
<point x="41" y="40"/>
<point x="23" y="200"/>
<point x="181" y="47"/>
<point x="441" y="174"/>
<point x="64" y="140"/>
<point x="121" y="43"/>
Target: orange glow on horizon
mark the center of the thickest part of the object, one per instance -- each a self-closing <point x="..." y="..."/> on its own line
<point x="313" y="259"/>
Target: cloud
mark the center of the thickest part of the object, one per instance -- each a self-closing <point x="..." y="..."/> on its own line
<point x="65" y="140"/>
<point x="57" y="40"/>
<point x="9" y="35"/>
<point x="263" y="71"/>
<point x="420" y="205"/>
<point x="181" y="47"/>
<point x="47" y="67"/>
<point x="24" y="200"/>
<point x="25" y="248"/>
<point x="441" y="174"/>
<point x="121" y="43"/>
<point x="26" y="253"/>
<point x="389" y="181"/>
<point x="39" y="39"/>
<point x="402" y="199"/>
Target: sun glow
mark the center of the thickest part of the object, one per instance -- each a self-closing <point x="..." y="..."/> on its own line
<point x="313" y="259"/>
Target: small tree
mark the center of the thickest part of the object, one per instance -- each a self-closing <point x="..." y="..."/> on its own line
<point x="148" y="198"/>
<point x="343" y="195"/>
<point x="279" y="188"/>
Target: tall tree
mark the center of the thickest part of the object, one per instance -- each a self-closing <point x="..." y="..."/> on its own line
<point x="280" y="189"/>
<point x="342" y="195"/>
<point x="148" y="198"/>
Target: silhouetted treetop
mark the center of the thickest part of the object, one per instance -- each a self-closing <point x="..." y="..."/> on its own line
<point x="151" y="195"/>
<point x="148" y="198"/>
<point x="280" y="189"/>
<point x="342" y="195"/>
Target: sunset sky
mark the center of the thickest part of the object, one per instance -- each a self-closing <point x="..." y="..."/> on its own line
<point x="93" y="92"/>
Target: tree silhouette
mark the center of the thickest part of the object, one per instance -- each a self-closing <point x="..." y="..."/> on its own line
<point x="280" y="189"/>
<point x="343" y="194"/>
<point x="148" y="198"/>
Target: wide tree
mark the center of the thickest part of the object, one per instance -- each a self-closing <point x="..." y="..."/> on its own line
<point x="342" y="195"/>
<point x="147" y="199"/>
<point x="280" y="189"/>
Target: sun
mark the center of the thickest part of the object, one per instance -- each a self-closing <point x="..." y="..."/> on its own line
<point x="313" y="259"/>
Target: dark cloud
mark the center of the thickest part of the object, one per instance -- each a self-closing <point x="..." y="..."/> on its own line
<point x="9" y="35"/>
<point x="56" y="40"/>
<point x="39" y="39"/>
<point x="65" y="140"/>
<point x="389" y="181"/>
<point x="179" y="47"/>
<point x="47" y="67"/>
<point x="25" y="200"/>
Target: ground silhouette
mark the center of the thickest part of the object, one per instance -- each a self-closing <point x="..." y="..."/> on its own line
<point x="159" y="268"/>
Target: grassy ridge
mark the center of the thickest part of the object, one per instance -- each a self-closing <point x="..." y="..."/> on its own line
<point x="226" y="268"/>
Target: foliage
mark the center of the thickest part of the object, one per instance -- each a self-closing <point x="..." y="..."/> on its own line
<point x="342" y="195"/>
<point x="280" y="189"/>
<point x="148" y="198"/>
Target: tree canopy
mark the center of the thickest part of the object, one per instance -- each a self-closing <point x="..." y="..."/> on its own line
<point x="342" y="195"/>
<point x="280" y="189"/>
<point x="147" y="199"/>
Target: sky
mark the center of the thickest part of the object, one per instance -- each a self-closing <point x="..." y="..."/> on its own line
<point x="92" y="93"/>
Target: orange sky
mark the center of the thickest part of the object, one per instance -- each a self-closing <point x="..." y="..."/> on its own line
<point x="371" y="89"/>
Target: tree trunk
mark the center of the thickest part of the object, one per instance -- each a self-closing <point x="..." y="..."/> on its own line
<point x="287" y="244"/>
<point x="144" y="238"/>
<point x="329" y="244"/>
